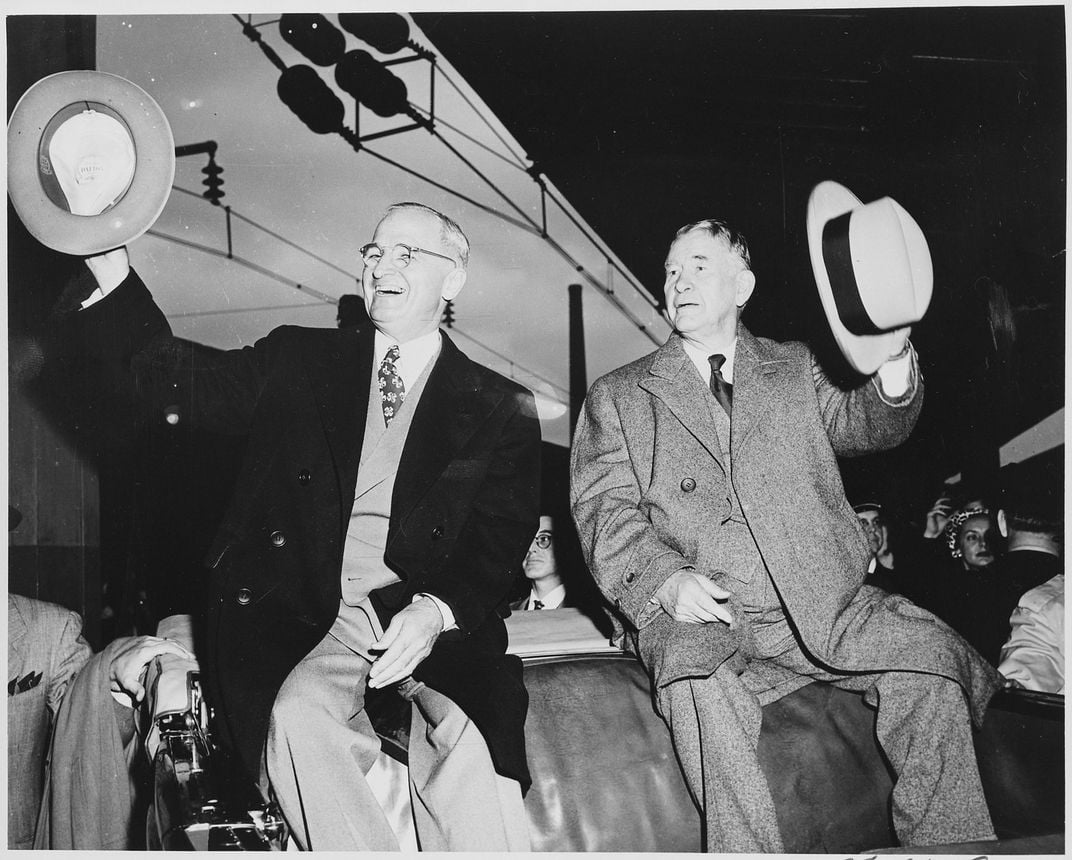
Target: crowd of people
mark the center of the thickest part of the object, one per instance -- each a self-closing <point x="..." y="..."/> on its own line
<point x="388" y="509"/>
<point x="988" y="564"/>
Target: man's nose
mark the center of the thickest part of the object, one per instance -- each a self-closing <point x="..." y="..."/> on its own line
<point x="386" y="263"/>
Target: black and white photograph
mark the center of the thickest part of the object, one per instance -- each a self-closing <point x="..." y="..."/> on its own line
<point x="536" y="428"/>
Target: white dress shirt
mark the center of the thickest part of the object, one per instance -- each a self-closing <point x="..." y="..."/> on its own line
<point x="1035" y="653"/>
<point x="552" y="600"/>
<point x="413" y="355"/>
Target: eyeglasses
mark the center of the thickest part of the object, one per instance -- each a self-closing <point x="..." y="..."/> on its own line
<point x="401" y="255"/>
<point x="542" y="540"/>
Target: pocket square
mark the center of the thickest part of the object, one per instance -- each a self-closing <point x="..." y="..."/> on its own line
<point x="26" y="682"/>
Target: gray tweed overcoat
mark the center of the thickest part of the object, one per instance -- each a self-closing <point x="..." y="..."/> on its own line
<point x="649" y="491"/>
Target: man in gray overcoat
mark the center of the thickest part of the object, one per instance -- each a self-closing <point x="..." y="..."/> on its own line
<point x="728" y="545"/>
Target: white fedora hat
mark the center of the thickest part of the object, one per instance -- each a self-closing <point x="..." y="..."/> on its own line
<point x="90" y="161"/>
<point x="873" y="270"/>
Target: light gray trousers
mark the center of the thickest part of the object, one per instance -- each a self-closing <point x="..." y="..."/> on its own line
<point x="321" y="745"/>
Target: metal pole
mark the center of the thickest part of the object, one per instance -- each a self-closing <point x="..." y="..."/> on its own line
<point x="578" y="371"/>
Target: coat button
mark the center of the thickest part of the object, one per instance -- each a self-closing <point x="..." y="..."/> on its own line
<point x="304" y="477"/>
<point x="688" y="485"/>
<point x="277" y="538"/>
<point x="243" y="596"/>
<point x="437" y="533"/>
<point x="629" y="577"/>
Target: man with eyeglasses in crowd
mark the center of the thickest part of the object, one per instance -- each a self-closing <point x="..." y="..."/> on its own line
<point x="547" y="590"/>
<point x="389" y="490"/>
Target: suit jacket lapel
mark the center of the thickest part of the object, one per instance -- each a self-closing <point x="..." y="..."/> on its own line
<point x="340" y="385"/>
<point x="452" y="407"/>
<point x="755" y="374"/>
<point x="675" y="382"/>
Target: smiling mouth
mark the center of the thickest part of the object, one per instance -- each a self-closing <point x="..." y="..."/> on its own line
<point x="388" y="290"/>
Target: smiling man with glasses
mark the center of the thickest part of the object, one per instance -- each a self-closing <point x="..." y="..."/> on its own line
<point x="390" y="488"/>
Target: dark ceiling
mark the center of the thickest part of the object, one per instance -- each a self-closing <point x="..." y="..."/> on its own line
<point x="649" y="120"/>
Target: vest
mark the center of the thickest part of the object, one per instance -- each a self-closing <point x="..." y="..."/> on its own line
<point x="363" y="566"/>
<point x="736" y="551"/>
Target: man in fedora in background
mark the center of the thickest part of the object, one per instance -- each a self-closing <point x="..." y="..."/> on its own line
<point x="706" y="492"/>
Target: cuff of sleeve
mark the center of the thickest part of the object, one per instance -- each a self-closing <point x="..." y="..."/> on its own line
<point x="103" y="291"/>
<point x="651" y="610"/>
<point x="896" y="380"/>
<point x="448" y="614"/>
<point x="644" y="576"/>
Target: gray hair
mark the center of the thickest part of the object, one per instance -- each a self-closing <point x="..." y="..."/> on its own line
<point x="450" y="233"/>
<point x="721" y="230"/>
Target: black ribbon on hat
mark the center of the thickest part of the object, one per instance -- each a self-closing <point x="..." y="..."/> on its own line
<point x="837" y="256"/>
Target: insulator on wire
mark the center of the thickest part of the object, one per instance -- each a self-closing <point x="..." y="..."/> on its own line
<point x="314" y="36"/>
<point x="305" y="93"/>
<point x="387" y="32"/>
<point x="372" y="84"/>
<point x="212" y="182"/>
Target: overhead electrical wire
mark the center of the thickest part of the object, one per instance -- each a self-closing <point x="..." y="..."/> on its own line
<point x="506" y="145"/>
<point x="644" y="294"/>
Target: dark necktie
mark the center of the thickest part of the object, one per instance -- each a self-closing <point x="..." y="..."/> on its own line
<point x="537" y="604"/>
<point x="392" y="391"/>
<point x="722" y="390"/>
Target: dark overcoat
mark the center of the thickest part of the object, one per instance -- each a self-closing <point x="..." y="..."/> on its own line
<point x="650" y="490"/>
<point x="464" y="509"/>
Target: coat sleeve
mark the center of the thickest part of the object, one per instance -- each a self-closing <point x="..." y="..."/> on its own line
<point x="121" y="367"/>
<point x="865" y="419"/>
<point x="624" y="552"/>
<point x="69" y="655"/>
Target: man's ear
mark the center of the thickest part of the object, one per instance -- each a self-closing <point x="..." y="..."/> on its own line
<point x="452" y="284"/>
<point x="1003" y="524"/>
<point x="746" y="282"/>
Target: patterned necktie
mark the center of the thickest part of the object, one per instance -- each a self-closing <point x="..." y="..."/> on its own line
<point x="392" y="391"/>
<point x="722" y="390"/>
<point x="537" y="604"/>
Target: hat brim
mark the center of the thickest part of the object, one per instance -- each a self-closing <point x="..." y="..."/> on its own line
<point x="154" y="170"/>
<point x="865" y="353"/>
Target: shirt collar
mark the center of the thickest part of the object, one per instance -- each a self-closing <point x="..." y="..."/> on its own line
<point x="552" y="600"/>
<point x="699" y="358"/>
<point x="413" y="355"/>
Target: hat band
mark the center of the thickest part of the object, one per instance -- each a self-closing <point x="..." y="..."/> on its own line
<point x="837" y="256"/>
